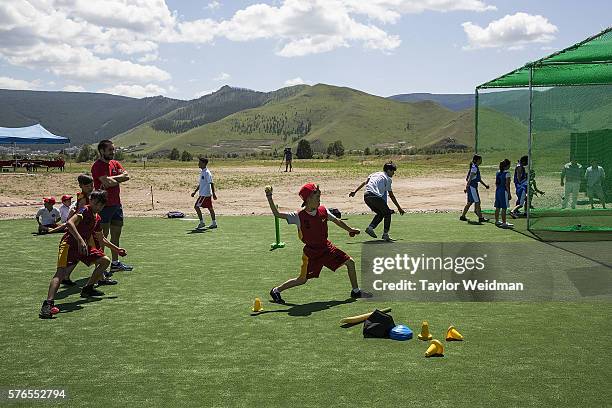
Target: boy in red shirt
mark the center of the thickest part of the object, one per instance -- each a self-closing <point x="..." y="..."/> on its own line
<point x="318" y="250"/>
<point x="79" y="244"/>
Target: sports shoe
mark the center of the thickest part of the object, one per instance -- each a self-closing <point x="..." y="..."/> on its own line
<point x="507" y="225"/>
<point x="107" y="281"/>
<point x="120" y="267"/>
<point x="498" y="223"/>
<point x="45" y="310"/>
<point x="371" y="232"/>
<point x="201" y="225"/>
<point x="386" y="237"/>
<point x="276" y="297"/>
<point x="212" y="226"/>
<point x="514" y="214"/>
<point x="462" y="218"/>
<point x="89" y="291"/>
<point x="483" y="219"/>
<point x="67" y="282"/>
<point x="356" y="294"/>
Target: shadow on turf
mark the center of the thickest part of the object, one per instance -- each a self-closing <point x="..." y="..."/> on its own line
<point x="77" y="304"/>
<point x="307" y="308"/>
<point x="197" y="231"/>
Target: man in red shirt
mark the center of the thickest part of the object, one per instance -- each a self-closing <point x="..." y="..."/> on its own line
<point x="108" y="174"/>
<point x="318" y="250"/>
<point x="81" y="244"/>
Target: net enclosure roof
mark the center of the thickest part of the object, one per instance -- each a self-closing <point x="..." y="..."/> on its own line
<point x="588" y="62"/>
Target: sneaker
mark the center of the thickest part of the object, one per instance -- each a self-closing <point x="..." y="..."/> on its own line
<point x="514" y="214"/>
<point x="386" y="237"/>
<point x="201" y="225"/>
<point x="89" y="291"/>
<point x="498" y="223"/>
<point x="67" y="282"/>
<point x="107" y="281"/>
<point x="45" y="310"/>
<point x="276" y="297"/>
<point x="356" y="294"/>
<point x="370" y="232"/>
<point x="212" y="226"/>
<point x="507" y="225"/>
<point x="120" y="266"/>
<point x="462" y="218"/>
<point x="483" y="219"/>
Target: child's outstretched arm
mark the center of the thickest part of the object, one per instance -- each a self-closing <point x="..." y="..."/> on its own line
<point x="275" y="211"/>
<point x="114" y="248"/>
<point x="344" y="226"/>
<point x="484" y="184"/>
<point x="352" y="193"/>
<point x="196" y="190"/>
<point x="399" y="208"/>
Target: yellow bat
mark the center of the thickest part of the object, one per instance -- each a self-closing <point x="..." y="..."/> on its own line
<point x="361" y="318"/>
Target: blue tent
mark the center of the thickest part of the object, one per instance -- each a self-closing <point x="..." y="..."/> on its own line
<point x="35" y="134"/>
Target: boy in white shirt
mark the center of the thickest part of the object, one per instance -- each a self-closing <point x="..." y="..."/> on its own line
<point x="64" y="210"/>
<point x="207" y="191"/>
<point x="48" y="216"/>
<point x="378" y="186"/>
<point x="595" y="176"/>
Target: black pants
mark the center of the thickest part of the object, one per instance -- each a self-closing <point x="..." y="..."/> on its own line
<point x="380" y="207"/>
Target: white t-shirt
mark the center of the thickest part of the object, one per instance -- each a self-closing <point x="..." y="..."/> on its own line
<point x="64" y="210"/>
<point x="48" y="217"/>
<point x="379" y="184"/>
<point x="594" y="175"/>
<point x="205" y="180"/>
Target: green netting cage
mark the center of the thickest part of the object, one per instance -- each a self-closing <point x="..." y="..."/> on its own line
<point x="558" y="112"/>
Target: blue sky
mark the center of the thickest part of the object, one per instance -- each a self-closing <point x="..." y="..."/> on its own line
<point x="184" y="49"/>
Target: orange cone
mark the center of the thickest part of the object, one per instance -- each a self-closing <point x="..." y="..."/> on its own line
<point x="257" y="306"/>
<point x="435" y="349"/>
<point x="453" y="335"/>
<point x="425" y="335"/>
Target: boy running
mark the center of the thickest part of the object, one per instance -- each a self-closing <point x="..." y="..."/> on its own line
<point x="502" y="193"/>
<point x="521" y="181"/>
<point x="79" y="245"/>
<point x="471" y="189"/>
<point x="311" y="222"/>
<point x="377" y="187"/>
<point x="207" y="189"/>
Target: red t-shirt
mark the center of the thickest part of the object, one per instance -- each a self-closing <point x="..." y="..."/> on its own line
<point x="90" y="224"/>
<point x="112" y="168"/>
<point x="313" y="228"/>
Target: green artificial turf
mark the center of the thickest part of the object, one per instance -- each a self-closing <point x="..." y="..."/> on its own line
<point x="178" y="330"/>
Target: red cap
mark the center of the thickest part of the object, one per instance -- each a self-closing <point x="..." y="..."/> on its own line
<point x="307" y="190"/>
<point x="66" y="197"/>
<point x="50" y="200"/>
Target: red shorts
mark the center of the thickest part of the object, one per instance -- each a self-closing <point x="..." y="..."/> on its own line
<point x="204" y="202"/>
<point x="314" y="259"/>
<point x="68" y="255"/>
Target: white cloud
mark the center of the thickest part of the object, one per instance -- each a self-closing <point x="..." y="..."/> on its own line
<point x="296" y="81"/>
<point x="134" y="91"/>
<point x="73" y="88"/>
<point x="137" y="47"/>
<point x="148" y="58"/>
<point x="510" y="31"/>
<point x="12" y="83"/>
<point x="223" y="76"/>
<point x="213" y="5"/>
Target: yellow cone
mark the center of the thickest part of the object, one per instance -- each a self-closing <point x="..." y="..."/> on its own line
<point x="453" y="335"/>
<point x="435" y="349"/>
<point x="257" y="307"/>
<point x="425" y="335"/>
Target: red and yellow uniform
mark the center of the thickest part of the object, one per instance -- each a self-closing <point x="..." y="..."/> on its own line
<point x="318" y="250"/>
<point x="68" y="253"/>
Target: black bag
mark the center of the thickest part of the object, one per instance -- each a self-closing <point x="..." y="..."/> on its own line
<point x="379" y="325"/>
<point x="175" y="214"/>
<point x="335" y="212"/>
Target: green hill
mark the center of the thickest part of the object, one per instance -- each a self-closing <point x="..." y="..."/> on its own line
<point x="320" y="114"/>
<point x="83" y="117"/>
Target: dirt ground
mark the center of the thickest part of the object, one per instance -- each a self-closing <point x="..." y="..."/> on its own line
<point x="239" y="190"/>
